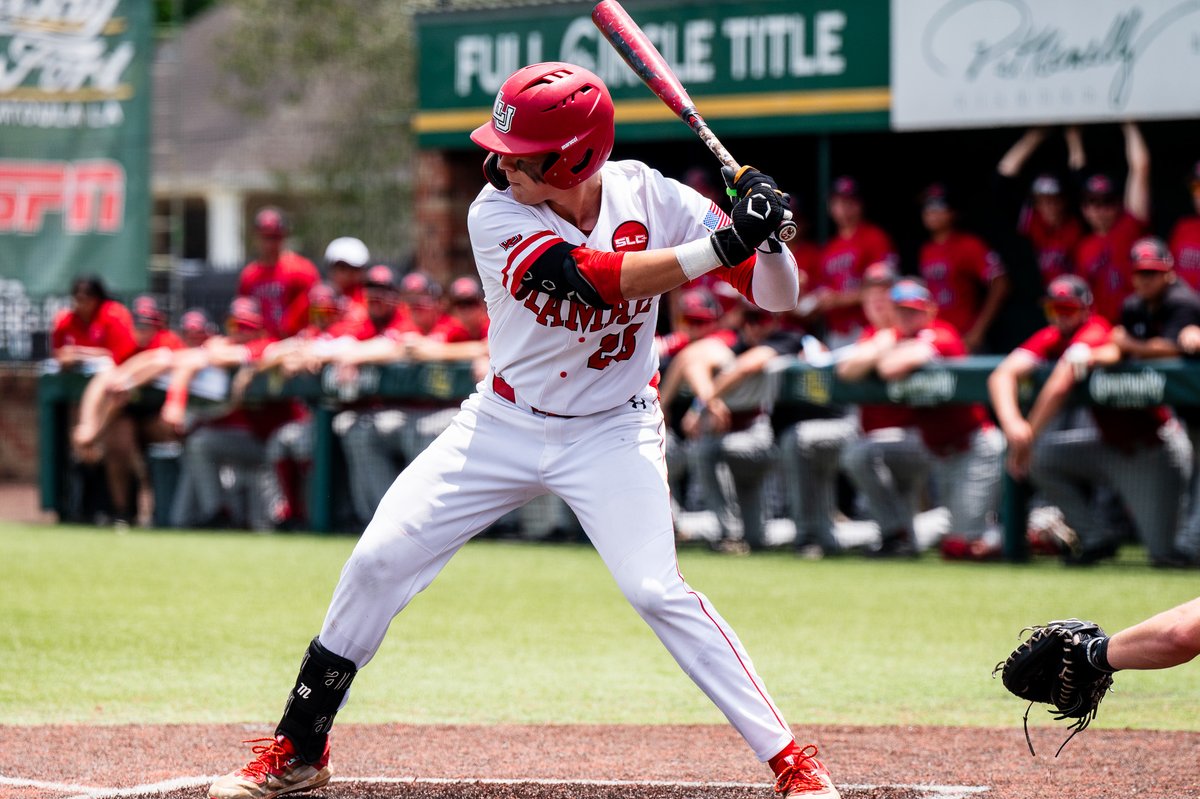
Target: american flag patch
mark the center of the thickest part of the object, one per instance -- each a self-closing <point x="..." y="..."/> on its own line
<point x="714" y="218"/>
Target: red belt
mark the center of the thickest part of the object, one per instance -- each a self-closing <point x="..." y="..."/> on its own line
<point x="503" y="389"/>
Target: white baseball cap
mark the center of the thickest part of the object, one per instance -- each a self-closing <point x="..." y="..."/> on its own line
<point x="348" y="250"/>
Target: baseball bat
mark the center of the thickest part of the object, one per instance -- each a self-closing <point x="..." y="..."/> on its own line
<point x="648" y="64"/>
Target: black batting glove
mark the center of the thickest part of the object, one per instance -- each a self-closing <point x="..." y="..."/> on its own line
<point x="755" y="218"/>
<point x="745" y="178"/>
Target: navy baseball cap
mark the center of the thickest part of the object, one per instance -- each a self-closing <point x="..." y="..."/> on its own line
<point x="910" y="293"/>
<point x="1100" y="188"/>
<point x="845" y="186"/>
<point x="936" y="196"/>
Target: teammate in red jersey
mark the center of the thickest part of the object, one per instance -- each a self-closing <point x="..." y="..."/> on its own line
<point x="1045" y="218"/>
<point x="835" y="288"/>
<point x="280" y="279"/>
<point x="1140" y="453"/>
<point x="94" y="329"/>
<point x="1185" y="237"/>
<point x="962" y="272"/>
<point x="1102" y="257"/>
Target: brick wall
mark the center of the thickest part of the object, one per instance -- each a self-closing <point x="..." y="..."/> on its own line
<point x="18" y="422"/>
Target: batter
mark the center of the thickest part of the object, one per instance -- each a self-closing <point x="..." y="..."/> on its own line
<point x="573" y="252"/>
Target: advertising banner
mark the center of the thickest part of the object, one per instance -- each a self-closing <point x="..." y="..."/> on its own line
<point x="760" y="67"/>
<point x="974" y="63"/>
<point x="75" y="143"/>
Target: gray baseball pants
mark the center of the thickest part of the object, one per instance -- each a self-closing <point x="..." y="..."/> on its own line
<point x="809" y="455"/>
<point x="1150" y="481"/>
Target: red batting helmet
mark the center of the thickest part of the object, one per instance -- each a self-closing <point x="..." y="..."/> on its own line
<point x="556" y="108"/>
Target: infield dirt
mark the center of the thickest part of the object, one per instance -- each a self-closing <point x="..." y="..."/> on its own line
<point x="613" y="762"/>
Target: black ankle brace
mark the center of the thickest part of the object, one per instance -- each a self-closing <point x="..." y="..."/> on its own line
<point x="321" y="686"/>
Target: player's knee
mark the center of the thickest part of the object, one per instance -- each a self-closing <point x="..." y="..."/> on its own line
<point x="649" y="595"/>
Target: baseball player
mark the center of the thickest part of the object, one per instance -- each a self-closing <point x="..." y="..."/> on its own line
<point x="95" y="329"/>
<point x="1185" y="236"/>
<point x="1168" y="639"/>
<point x="857" y="244"/>
<point x="1115" y="223"/>
<point x="1045" y="219"/>
<point x="887" y="464"/>
<point x="964" y="275"/>
<point x="280" y="279"/>
<point x="1139" y="453"/>
<point x="962" y="445"/>
<point x="570" y="408"/>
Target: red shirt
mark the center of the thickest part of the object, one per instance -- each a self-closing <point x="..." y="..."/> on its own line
<point x="1185" y="247"/>
<point x="451" y="331"/>
<point x="111" y="329"/>
<point x="947" y="429"/>
<point x="1103" y="261"/>
<point x="1121" y="428"/>
<point x="1054" y="248"/>
<point x="282" y="291"/>
<point x="882" y="415"/>
<point x="842" y="262"/>
<point x="958" y="272"/>
<point x="164" y="338"/>
<point x="262" y="420"/>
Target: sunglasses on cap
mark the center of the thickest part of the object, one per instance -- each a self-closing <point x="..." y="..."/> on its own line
<point x="1056" y="309"/>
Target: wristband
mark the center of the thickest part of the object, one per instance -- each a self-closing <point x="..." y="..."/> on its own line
<point x="697" y="258"/>
<point x="1097" y="654"/>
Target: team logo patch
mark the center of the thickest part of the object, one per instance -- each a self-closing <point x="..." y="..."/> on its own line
<point x="502" y="114"/>
<point x="508" y="244"/>
<point x="630" y="236"/>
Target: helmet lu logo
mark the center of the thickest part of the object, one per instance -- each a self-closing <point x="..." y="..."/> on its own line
<point x="502" y="113"/>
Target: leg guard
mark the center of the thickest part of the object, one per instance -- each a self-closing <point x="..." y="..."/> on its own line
<point x="316" y="698"/>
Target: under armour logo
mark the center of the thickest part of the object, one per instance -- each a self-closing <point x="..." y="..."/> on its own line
<point x="637" y="403"/>
<point x="303" y="691"/>
<point x="502" y="114"/>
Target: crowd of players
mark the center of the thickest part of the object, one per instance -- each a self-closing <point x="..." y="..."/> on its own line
<point x="745" y="473"/>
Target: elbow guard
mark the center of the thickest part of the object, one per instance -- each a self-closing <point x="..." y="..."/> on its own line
<point x="575" y="274"/>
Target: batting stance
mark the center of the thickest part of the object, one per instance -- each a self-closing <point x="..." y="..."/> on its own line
<point x="573" y="252"/>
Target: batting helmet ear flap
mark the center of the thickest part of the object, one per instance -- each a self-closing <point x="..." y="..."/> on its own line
<point x="493" y="172"/>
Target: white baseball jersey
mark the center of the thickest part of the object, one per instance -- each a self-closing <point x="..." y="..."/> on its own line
<point x="563" y="357"/>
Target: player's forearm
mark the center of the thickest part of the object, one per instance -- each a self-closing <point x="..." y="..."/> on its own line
<point x="997" y="293"/>
<point x="860" y="362"/>
<point x="1152" y="348"/>
<point x="1052" y="397"/>
<point x="776" y="281"/>
<point x="1002" y="390"/>
<point x="1137" y="187"/>
<point x="903" y="359"/>
<point x="1168" y="639"/>
<point x="1019" y="153"/>
<point x="652" y="272"/>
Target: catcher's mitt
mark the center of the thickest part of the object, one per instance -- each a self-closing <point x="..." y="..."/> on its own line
<point x="1052" y="666"/>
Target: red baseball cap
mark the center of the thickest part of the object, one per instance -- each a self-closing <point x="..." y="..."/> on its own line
<point x="699" y="305"/>
<point x="1069" y="291"/>
<point x="880" y="273"/>
<point x="1101" y="188"/>
<point x="465" y="289"/>
<point x="196" y="321"/>
<point x="381" y="276"/>
<point x="323" y="297"/>
<point x="270" y="221"/>
<point x="147" y="312"/>
<point x="845" y="186"/>
<point x="246" y="311"/>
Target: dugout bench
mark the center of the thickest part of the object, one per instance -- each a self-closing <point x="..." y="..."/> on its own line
<point x="1133" y="385"/>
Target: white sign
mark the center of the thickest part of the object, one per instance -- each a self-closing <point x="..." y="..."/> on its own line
<point x="973" y="63"/>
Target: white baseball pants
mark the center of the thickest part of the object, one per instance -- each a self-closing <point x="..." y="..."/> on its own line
<point x="610" y="469"/>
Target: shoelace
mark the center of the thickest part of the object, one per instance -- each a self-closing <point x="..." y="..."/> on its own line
<point x="269" y="760"/>
<point x="800" y="772"/>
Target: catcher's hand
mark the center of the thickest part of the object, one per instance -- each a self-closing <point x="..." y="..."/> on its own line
<point x="1052" y="666"/>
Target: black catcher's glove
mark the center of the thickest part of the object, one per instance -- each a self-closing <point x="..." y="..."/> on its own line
<point x="758" y="212"/>
<point x="1052" y="666"/>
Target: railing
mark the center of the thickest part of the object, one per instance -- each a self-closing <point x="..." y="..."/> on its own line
<point x="1134" y="385"/>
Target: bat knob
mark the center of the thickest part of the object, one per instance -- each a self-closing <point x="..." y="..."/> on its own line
<point x="786" y="231"/>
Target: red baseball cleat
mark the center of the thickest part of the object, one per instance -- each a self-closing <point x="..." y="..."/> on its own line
<point x="275" y="770"/>
<point x="799" y="774"/>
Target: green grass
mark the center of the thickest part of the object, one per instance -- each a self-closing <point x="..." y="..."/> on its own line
<point x="200" y="627"/>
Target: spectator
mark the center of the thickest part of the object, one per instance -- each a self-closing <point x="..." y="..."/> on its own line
<point x="888" y="464"/>
<point x="963" y="447"/>
<point x="964" y="275"/>
<point x="95" y="332"/>
<point x="1140" y="454"/>
<point x="1185" y="237"/>
<point x="279" y="279"/>
<point x="856" y="243"/>
<point x="1102" y="258"/>
<point x="1045" y="218"/>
